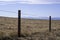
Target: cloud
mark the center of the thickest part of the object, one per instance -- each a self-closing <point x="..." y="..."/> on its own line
<point x="7" y="0"/>
<point x="30" y="1"/>
<point x="44" y="1"/>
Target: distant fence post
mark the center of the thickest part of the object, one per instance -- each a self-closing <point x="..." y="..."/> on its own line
<point x="49" y="23"/>
<point x="19" y="23"/>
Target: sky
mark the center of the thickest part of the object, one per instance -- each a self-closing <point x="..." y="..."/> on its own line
<point x="30" y="8"/>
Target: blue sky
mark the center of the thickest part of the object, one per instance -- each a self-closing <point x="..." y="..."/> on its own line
<point x="30" y="8"/>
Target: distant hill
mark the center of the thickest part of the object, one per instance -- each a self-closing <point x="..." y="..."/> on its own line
<point x="41" y="18"/>
<point x="56" y="18"/>
<point x="44" y="18"/>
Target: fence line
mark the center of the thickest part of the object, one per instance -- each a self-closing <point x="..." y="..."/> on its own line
<point x="19" y="21"/>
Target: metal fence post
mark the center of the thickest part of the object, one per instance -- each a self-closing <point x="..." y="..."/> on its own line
<point x="49" y="23"/>
<point x="19" y="23"/>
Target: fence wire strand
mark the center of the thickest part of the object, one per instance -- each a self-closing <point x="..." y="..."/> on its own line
<point x="7" y="11"/>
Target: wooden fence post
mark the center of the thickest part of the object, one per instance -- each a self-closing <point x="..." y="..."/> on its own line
<point x="19" y="23"/>
<point x="49" y="23"/>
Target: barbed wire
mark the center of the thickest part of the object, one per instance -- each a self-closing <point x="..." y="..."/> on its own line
<point x="13" y="12"/>
<point x="7" y="11"/>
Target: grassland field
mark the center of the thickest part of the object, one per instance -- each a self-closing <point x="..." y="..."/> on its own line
<point x="31" y="29"/>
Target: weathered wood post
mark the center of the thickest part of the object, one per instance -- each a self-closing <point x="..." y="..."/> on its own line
<point x="49" y="23"/>
<point x="19" y="23"/>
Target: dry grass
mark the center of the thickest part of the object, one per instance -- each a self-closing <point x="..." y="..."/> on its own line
<point x="30" y="29"/>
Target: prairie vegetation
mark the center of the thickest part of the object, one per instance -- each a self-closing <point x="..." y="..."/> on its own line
<point x="30" y="29"/>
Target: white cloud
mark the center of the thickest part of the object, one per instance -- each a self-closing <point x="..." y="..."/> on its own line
<point x="30" y="1"/>
<point x="7" y="0"/>
<point x="44" y="1"/>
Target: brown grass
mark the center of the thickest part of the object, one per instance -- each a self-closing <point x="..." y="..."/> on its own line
<point x="30" y="29"/>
